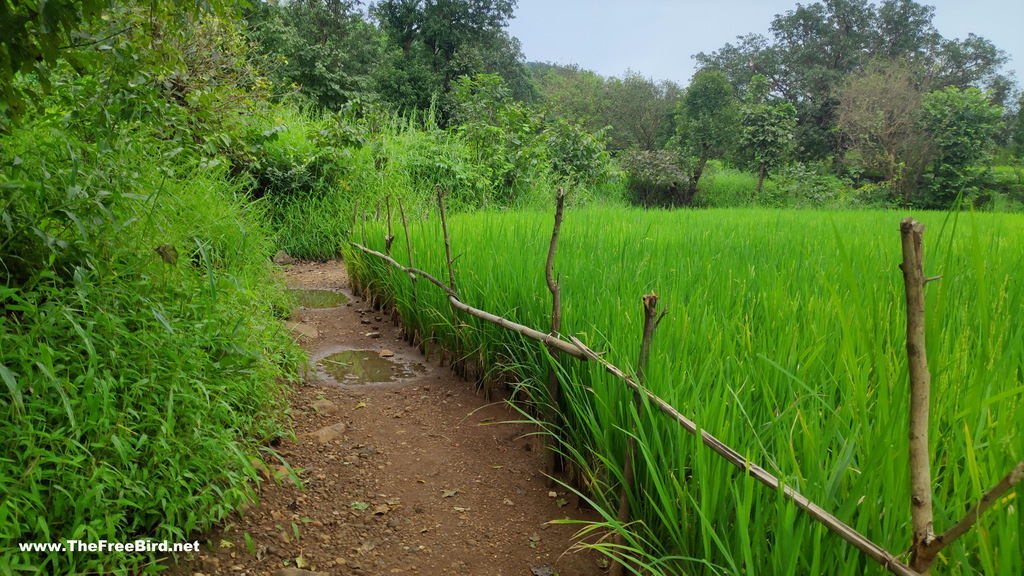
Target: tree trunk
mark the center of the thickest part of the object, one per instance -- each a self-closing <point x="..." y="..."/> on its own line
<point x="694" y="180"/>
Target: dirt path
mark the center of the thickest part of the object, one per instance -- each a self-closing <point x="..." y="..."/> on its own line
<point x="424" y="476"/>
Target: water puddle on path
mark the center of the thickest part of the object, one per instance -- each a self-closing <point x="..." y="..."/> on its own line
<point x="353" y="367"/>
<point x="318" y="299"/>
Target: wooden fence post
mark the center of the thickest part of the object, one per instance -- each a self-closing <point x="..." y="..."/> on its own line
<point x="553" y="416"/>
<point x="651" y="321"/>
<point x="451" y="283"/>
<point x="925" y="544"/>
<point x="390" y="237"/>
<point x="414" y="336"/>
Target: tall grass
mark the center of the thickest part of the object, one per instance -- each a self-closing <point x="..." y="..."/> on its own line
<point x="785" y="339"/>
<point x="139" y="348"/>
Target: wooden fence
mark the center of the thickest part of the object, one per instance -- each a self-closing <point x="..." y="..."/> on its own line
<point x="925" y="544"/>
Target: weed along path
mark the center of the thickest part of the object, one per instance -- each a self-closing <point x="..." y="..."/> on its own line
<point x="412" y="473"/>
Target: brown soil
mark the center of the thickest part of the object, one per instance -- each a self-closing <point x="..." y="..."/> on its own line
<point x="426" y="476"/>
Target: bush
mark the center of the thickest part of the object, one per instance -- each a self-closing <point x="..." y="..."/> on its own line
<point x="654" y="177"/>
<point x="812" y="185"/>
<point x="138" y="346"/>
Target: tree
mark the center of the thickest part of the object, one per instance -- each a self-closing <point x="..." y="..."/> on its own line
<point x="639" y="111"/>
<point x="962" y="125"/>
<point x="572" y="93"/>
<point x="323" y="46"/>
<point x="433" y="42"/>
<point x="814" y="47"/>
<point x="767" y="129"/>
<point x="707" y="125"/>
<point x="878" y="119"/>
<point x="36" y="36"/>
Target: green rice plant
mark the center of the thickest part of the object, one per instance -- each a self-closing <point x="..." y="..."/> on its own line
<point x="785" y="338"/>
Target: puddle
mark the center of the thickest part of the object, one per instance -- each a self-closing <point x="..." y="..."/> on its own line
<point x="353" y="367"/>
<point x="318" y="298"/>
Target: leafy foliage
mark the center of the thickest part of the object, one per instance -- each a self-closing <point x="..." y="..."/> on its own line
<point x="962" y="125"/>
<point x="707" y="125"/>
<point x="575" y="154"/>
<point x="767" y="129"/>
<point x="34" y="36"/>
<point x="139" y="341"/>
<point x="655" y="177"/>
<point x="879" y="119"/>
<point x="431" y="44"/>
<point x="323" y="47"/>
<point x="814" y="47"/>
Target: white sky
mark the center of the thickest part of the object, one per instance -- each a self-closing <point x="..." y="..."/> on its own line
<point x="658" y="37"/>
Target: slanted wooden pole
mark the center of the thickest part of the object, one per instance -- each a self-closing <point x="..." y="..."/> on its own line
<point x="552" y="415"/>
<point x="651" y="321"/>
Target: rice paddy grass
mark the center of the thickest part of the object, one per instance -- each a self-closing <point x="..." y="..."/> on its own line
<point x="784" y="338"/>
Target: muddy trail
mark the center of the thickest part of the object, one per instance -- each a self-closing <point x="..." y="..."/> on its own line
<point x="404" y="467"/>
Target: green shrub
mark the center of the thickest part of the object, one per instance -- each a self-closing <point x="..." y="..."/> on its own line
<point x="654" y="177"/>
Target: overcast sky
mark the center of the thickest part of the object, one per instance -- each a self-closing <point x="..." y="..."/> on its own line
<point x="658" y="37"/>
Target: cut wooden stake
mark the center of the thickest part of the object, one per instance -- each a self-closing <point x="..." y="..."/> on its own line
<point x="911" y="232"/>
<point x="651" y="321"/>
<point x="390" y="237"/>
<point x="551" y="412"/>
<point x="925" y="544"/>
<point x="363" y="223"/>
<point x="456" y="322"/>
<point x="355" y="212"/>
<point x="447" y="242"/>
<point x="408" y="248"/>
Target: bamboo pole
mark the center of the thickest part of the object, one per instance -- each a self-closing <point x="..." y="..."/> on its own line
<point x="651" y="321"/>
<point x="551" y="413"/>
